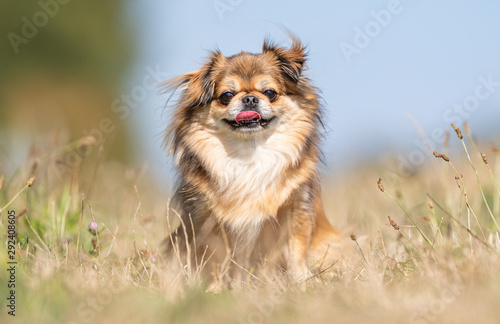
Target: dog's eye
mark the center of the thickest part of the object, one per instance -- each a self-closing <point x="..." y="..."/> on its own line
<point x="226" y="97"/>
<point x="271" y="94"/>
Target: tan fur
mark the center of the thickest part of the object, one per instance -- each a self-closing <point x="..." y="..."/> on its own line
<point x="251" y="196"/>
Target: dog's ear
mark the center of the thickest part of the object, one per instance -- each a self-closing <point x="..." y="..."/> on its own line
<point x="196" y="87"/>
<point x="291" y="60"/>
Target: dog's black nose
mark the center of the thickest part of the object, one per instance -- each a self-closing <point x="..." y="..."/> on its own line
<point x="250" y="101"/>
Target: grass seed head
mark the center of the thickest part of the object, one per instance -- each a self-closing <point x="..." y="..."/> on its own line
<point x="442" y="156"/>
<point x="392" y="223"/>
<point x="467" y="129"/>
<point x="30" y="181"/>
<point x="446" y="141"/>
<point x="353" y="237"/>
<point x="380" y="185"/>
<point x="430" y="204"/>
<point x="458" y="131"/>
<point x="485" y="159"/>
<point x="34" y="167"/>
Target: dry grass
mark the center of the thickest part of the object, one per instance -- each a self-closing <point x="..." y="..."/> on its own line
<point x="435" y="260"/>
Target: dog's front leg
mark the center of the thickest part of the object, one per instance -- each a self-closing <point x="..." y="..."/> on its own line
<point x="300" y="226"/>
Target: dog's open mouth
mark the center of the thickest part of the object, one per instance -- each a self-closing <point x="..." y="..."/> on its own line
<point x="248" y="119"/>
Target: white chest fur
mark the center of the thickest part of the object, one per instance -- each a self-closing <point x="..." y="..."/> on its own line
<point x="248" y="176"/>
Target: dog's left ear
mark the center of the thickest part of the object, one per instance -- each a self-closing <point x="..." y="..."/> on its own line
<point x="291" y="59"/>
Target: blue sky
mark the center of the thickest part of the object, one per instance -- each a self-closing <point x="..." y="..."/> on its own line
<point x="383" y="66"/>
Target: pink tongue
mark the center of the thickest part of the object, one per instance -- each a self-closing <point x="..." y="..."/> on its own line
<point x="246" y="116"/>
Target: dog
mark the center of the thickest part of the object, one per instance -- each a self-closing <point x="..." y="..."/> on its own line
<point x="245" y="137"/>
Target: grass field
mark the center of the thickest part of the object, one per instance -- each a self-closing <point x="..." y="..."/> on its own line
<point x="438" y="262"/>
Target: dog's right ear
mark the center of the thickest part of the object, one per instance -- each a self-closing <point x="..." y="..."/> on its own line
<point x="196" y="87"/>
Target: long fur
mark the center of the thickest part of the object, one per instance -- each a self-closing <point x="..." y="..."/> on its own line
<point x="248" y="197"/>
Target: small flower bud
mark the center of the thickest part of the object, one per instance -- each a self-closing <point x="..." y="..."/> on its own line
<point x="93" y="228"/>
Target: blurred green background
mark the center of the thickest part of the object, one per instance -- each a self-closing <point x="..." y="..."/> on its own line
<point x="66" y="66"/>
<point x="61" y="72"/>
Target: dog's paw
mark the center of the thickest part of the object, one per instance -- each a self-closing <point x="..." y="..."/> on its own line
<point x="299" y="272"/>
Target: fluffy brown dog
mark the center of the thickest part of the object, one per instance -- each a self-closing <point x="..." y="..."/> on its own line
<point x="245" y="138"/>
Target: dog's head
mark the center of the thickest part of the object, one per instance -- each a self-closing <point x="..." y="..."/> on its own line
<point x="246" y="95"/>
